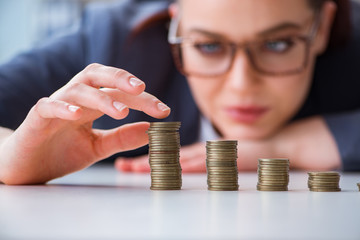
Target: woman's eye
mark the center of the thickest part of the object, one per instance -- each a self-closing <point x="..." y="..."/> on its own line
<point x="278" y="46"/>
<point x="209" y="48"/>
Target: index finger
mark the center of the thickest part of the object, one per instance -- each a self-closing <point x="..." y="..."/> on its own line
<point x="144" y="102"/>
<point x="97" y="75"/>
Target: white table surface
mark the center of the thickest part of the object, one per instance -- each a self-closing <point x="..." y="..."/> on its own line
<point x="100" y="203"/>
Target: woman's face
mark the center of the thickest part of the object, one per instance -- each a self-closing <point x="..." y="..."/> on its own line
<point x="244" y="103"/>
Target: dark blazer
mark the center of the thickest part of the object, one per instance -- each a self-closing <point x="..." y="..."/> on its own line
<point x="105" y="36"/>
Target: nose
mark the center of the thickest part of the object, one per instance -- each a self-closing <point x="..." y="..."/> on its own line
<point x="242" y="77"/>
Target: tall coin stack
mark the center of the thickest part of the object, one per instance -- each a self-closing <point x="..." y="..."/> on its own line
<point x="222" y="172"/>
<point x="273" y="174"/>
<point x="164" y="147"/>
<point x="324" y="181"/>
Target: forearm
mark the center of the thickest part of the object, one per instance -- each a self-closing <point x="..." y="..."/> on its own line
<point x="309" y="145"/>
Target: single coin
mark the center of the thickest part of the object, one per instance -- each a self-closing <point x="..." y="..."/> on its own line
<point x="166" y="182"/>
<point x="322" y="182"/>
<point x="166" y="177"/>
<point x="222" y="164"/>
<point x="164" y="188"/>
<point x="215" y="181"/>
<point x="274" y="161"/>
<point x="325" y="190"/>
<point x="226" y="142"/>
<point x="216" y="188"/>
<point x="268" y="188"/>
<point x="329" y="173"/>
<point x="223" y="177"/>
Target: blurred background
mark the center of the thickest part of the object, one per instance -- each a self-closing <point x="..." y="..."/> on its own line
<point x="24" y="23"/>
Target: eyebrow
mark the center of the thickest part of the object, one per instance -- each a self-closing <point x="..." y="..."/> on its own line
<point x="280" y="27"/>
<point x="272" y="30"/>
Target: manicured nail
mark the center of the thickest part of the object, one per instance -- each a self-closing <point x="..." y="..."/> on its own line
<point x="73" y="108"/>
<point x="162" y="107"/>
<point x="119" y="106"/>
<point x="135" y="82"/>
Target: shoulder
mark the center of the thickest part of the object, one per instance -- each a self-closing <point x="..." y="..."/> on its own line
<point x="106" y="26"/>
<point x="126" y="12"/>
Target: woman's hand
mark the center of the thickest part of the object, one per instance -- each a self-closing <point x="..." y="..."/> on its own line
<point x="307" y="143"/>
<point x="57" y="137"/>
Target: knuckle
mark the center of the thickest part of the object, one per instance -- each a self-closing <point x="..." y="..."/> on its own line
<point x="104" y="98"/>
<point x="74" y="86"/>
<point x="91" y="67"/>
<point x="119" y="73"/>
<point x="40" y="106"/>
<point x="42" y="101"/>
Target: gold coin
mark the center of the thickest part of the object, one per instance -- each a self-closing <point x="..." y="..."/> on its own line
<point x="329" y="173"/>
<point x="325" y="190"/>
<point x="164" y="188"/>
<point x="216" y="188"/>
<point x="271" y="188"/>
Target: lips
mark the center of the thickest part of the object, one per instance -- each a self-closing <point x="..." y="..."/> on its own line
<point x="246" y="114"/>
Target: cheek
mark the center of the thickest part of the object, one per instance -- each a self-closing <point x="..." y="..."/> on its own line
<point x="290" y="95"/>
<point x="205" y="93"/>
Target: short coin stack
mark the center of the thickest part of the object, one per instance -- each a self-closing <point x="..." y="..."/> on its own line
<point x="221" y="165"/>
<point x="164" y="147"/>
<point x="324" y="181"/>
<point x="273" y="174"/>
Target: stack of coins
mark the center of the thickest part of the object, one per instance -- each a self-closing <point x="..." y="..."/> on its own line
<point x="324" y="181"/>
<point x="273" y="174"/>
<point x="222" y="173"/>
<point x="164" y="147"/>
<point x="359" y="186"/>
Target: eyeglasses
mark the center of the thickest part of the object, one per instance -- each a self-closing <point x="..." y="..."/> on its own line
<point x="210" y="58"/>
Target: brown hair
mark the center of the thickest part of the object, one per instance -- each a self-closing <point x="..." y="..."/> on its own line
<point x="341" y="29"/>
<point x="340" y="32"/>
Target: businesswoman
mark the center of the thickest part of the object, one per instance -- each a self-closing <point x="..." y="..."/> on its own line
<point x="279" y="76"/>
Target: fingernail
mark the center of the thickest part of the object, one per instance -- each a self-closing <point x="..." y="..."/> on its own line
<point x="162" y="107"/>
<point x="135" y="82"/>
<point x="119" y="106"/>
<point x="73" y="108"/>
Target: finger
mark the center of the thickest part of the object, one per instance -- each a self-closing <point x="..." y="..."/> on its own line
<point x="92" y="98"/>
<point x="194" y="165"/>
<point x="123" y="164"/>
<point x="47" y="108"/>
<point x="144" y="102"/>
<point x="124" y="138"/>
<point x="192" y="151"/>
<point x="97" y="75"/>
<point x="138" y="164"/>
<point x="141" y="165"/>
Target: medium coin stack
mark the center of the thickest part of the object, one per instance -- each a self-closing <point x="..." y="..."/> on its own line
<point x="324" y="181"/>
<point x="273" y="174"/>
<point x="164" y="147"/>
<point x="221" y="165"/>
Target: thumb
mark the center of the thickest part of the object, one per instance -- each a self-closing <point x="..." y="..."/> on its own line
<point x="124" y="138"/>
